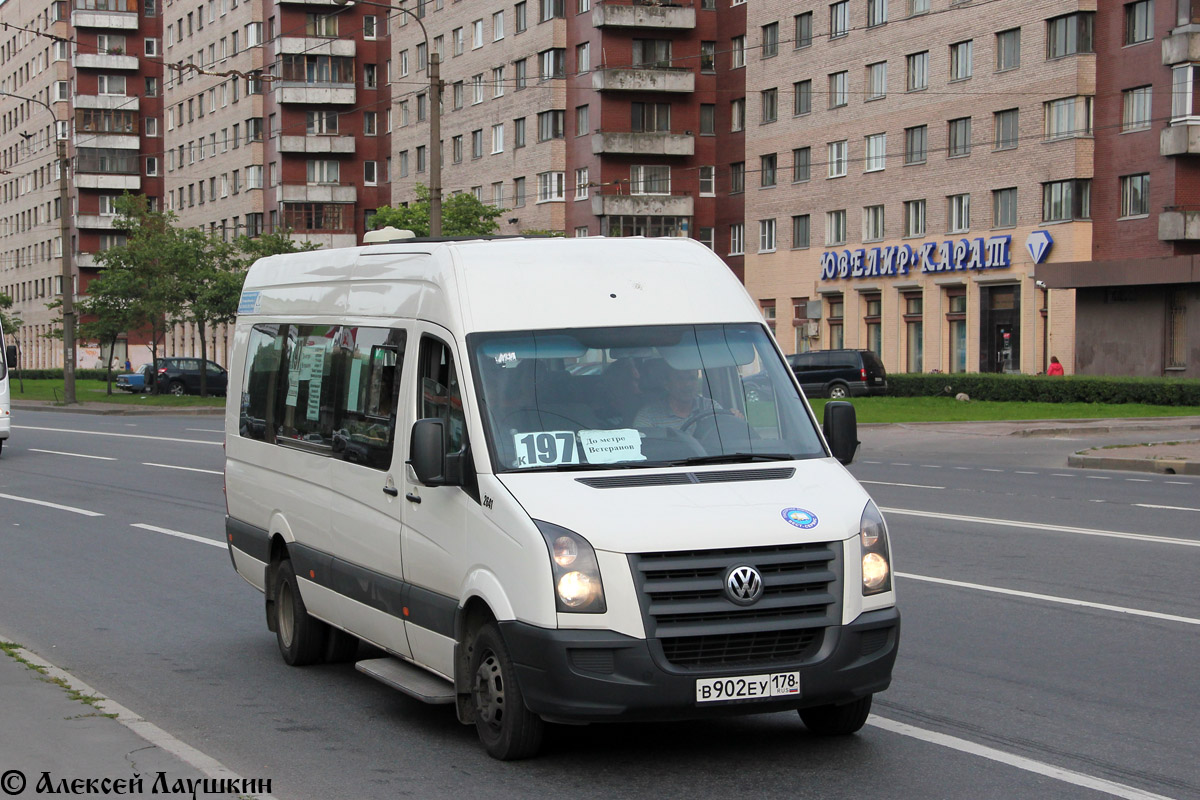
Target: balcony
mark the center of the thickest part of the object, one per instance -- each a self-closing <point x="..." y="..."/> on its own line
<point x="316" y="46"/>
<point x="109" y="141"/>
<point x="1180" y="140"/>
<point x="100" y="180"/>
<point x="104" y="222"/>
<point x="109" y="102"/>
<point x="643" y="14"/>
<point x="107" y="14"/>
<point x="1181" y="48"/>
<point x="86" y="260"/>
<point x="314" y="93"/>
<point x="644" y="79"/>
<point x="657" y="143"/>
<point x="315" y="193"/>
<point x="316" y="144"/>
<point x="106" y="61"/>
<point x="655" y="205"/>
<point x="1178" y="224"/>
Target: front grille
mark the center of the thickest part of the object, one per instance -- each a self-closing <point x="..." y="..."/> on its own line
<point x="688" y="613"/>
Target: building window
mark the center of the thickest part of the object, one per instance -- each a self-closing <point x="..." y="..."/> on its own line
<point x="498" y="82"/>
<point x="553" y="63"/>
<point x="959" y="137"/>
<point x="1068" y="117"/>
<point x="583" y="57"/>
<point x="518" y="132"/>
<point x="708" y="119"/>
<point x="876" y="152"/>
<point x="550" y="125"/>
<point x="873" y="226"/>
<point x="839" y="89"/>
<point x="582" y="184"/>
<point x="738" y="51"/>
<point x="521" y="74"/>
<point x="915" y="147"/>
<point x="801" y="164"/>
<point x="1183" y="84"/>
<point x="1069" y="34"/>
<point x="1136" y="109"/>
<point x="914" y="218"/>
<point x="551" y="186"/>
<point x="1177" y="342"/>
<point x="1008" y="49"/>
<point x="839" y="19"/>
<point x="873" y="323"/>
<point x="1004" y="208"/>
<point x="835" y="227"/>
<point x="956" y="317"/>
<point x="1135" y="195"/>
<point x="370" y="123"/>
<point x="770" y="105"/>
<point x="521" y="21"/>
<point x="1139" y="22"/>
<point x="959" y="213"/>
<point x="801" y="97"/>
<point x="649" y="179"/>
<point x="737" y="114"/>
<point x="835" y="318"/>
<point x="707" y="237"/>
<point x="877" y="12"/>
<point x="518" y="192"/>
<point x="708" y="181"/>
<point x="918" y="71"/>
<point x="767" y="170"/>
<point x="1066" y="200"/>
<point x="837" y="159"/>
<point x="914" y="330"/>
<point x="552" y="9"/>
<point x="737" y="239"/>
<point x="321" y="123"/>
<point x="708" y="57"/>
<point x="800" y="231"/>
<point x="737" y="177"/>
<point x="960" y="60"/>
<point x="803" y="32"/>
<point x="770" y="40"/>
<point x="456" y="149"/>
<point x="768" y="311"/>
<point x="497" y="26"/>
<point x="477" y="143"/>
<point x="766" y="236"/>
<point x="498" y="137"/>
<point x="582" y="126"/>
<point x="1006" y="129"/>
<point x="877" y="80"/>
<point x="650" y="117"/>
<point x="370" y="173"/>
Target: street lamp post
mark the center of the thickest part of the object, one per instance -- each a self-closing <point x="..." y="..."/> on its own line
<point x="68" y="271"/>
<point x="435" y="117"/>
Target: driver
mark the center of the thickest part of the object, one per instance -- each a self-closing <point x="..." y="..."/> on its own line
<point x="681" y="402"/>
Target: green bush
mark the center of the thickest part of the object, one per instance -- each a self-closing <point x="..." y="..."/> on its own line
<point x="1048" y="389"/>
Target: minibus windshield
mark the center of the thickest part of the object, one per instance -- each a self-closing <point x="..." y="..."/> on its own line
<point x="606" y="398"/>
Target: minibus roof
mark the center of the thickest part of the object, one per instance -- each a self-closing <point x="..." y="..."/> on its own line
<point x="505" y="284"/>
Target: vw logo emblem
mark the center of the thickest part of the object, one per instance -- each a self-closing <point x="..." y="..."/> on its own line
<point x="743" y="585"/>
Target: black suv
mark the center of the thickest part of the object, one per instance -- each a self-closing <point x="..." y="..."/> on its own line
<point x="181" y="376"/>
<point x="839" y="373"/>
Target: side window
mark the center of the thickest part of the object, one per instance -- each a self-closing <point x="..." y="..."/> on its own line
<point x="260" y="406"/>
<point x="441" y="396"/>
<point x="367" y="363"/>
<point x="308" y="410"/>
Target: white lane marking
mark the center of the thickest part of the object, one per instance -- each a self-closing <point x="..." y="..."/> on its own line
<point x="1167" y="508"/>
<point x="72" y="509"/>
<point x="1098" y="478"/>
<point x="906" y="485"/>
<point x="186" y="469"/>
<point x="76" y="455"/>
<point x="191" y="537"/>
<point x="985" y="469"/>
<point x="205" y="764"/>
<point x="872" y="462"/>
<point x="1041" y="526"/>
<point x="1138" y="480"/>
<point x="1061" y="475"/>
<point x="1025" y="472"/>
<point x="1049" y="598"/>
<point x="965" y="468"/>
<point x="931" y="466"/>
<point x="122" y="435"/>
<point x="900" y="464"/>
<point x="1179" y="483"/>
<point x="1020" y="762"/>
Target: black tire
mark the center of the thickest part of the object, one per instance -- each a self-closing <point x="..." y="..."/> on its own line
<point x="506" y="727"/>
<point x="178" y="389"/>
<point x="839" y="391"/>
<point x="837" y="720"/>
<point x="302" y="639"/>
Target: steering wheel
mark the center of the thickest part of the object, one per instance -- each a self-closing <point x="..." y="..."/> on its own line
<point x="713" y="425"/>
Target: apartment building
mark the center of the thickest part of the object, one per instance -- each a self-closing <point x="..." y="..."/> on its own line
<point x="1134" y="294"/>
<point x="909" y="166"/>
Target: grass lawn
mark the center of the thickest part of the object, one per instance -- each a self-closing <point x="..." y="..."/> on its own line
<point x="947" y="409"/>
<point x="87" y="391"/>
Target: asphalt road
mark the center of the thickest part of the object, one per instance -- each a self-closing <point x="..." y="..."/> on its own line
<point x="1049" y="649"/>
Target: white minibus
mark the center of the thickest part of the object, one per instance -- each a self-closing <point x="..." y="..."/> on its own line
<point x="8" y="360"/>
<point x="553" y="480"/>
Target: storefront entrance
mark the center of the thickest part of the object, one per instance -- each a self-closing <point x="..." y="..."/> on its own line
<point x="1000" y="329"/>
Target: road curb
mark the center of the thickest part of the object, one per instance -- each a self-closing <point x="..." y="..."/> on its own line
<point x="1161" y="466"/>
<point x="120" y="411"/>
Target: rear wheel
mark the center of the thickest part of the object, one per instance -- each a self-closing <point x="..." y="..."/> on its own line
<point x="834" y="720"/>
<point x="302" y="639"/>
<point x="178" y="389"/>
<point x="839" y="391"/>
<point x="341" y="647"/>
<point x="506" y="727"/>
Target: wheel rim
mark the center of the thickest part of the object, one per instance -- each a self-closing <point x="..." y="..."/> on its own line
<point x="489" y="692"/>
<point x="177" y="390"/>
<point x="286" y="620"/>
<point x="837" y="391"/>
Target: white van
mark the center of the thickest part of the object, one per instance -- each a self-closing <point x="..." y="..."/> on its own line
<point x="565" y="480"/>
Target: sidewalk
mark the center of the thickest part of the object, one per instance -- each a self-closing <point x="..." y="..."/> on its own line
<point x="54" y="744"/>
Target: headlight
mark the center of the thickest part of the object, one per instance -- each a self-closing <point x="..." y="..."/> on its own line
<point x="876" y="566"/>
<point x="577" y="585"/>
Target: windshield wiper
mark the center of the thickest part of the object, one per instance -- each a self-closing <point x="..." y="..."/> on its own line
<point x="729" y="458"/>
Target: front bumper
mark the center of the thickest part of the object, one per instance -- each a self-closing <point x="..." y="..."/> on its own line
<point x="594" y="676"/>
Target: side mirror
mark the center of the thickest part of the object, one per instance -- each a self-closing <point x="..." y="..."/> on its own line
<point x="841" y="430"/>
<point x="10" y="355"/>
<point x="427" y="452"/>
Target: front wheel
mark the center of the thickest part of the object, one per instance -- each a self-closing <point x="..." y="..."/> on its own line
<point x="839" y="391"/>
<point x="834" y="720"/>
<point x="506" y="727"/>
<point x="178" y="389"/>
<point x="301" y="638"/>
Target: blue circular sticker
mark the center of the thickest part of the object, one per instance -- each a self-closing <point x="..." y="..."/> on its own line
<point x="800" y="518"/>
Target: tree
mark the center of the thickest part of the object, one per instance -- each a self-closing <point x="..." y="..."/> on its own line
<point x="462" y="215"/>
<point x="271" y="244"/>
<point x="9" y="321"/>
<point x="110" y="309"/>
